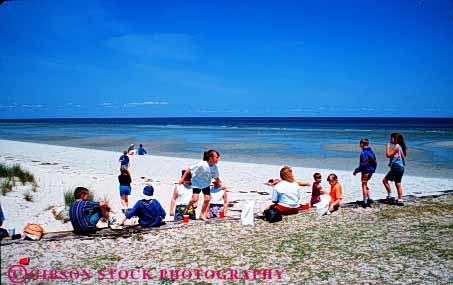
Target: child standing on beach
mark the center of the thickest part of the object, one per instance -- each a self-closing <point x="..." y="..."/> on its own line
<point x="141" y="150"/>
<point x="125" y="181"/>
<point x="202" y="175"/>
<point x="336" y="192"/>
<point x="395" y="150"/>
<point x="84" y="214"/>
<point x="124" y="160"/>
<point x="182" y="194"/>
<point x="367" y="166"/>
<point x="219" y="200"/>
<point x="316" y="190"/>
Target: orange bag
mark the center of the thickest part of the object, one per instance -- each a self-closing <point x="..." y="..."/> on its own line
<point x="33" y="231"/>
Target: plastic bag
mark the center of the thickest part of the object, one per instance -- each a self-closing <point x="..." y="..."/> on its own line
<point x="247" y="215"/>
<point x="323" y="205"/>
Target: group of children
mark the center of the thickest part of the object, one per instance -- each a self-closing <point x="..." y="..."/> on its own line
<point x="395" y="151"/>
<point x="204" y="177"/>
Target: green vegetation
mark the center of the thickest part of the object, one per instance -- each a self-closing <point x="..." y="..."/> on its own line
<point x="11" y="173"/>
<point x="69" y="197"/>
<point x="6" y="186"/>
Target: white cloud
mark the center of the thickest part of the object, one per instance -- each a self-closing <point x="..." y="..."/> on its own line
<point x="146" y="103"/>
<point x="32" y="106"/>
<point x="7" y="106"/>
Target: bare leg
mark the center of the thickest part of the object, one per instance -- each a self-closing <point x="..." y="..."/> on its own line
<point x="399" y="188"/>
<point x="365" y="190"/>
<point x="123" y="202"/>
<point x="387" y="185"/>
<point x="126" y="201"/>
<point x="205" y="207"/>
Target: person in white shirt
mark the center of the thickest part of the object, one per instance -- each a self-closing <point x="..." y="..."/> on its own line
<point x="287" y="193"/>
<point x="219" y="200"/>
<point x="182" y="194"/>
<point x="202" y="175"/>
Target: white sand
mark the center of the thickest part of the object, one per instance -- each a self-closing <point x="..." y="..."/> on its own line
<point x="98" y="170"/>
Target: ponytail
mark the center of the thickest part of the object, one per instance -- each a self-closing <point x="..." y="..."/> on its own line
<point x="209" y="153"/>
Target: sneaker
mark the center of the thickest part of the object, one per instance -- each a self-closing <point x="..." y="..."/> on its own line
<point x="390" y="200"/>
<point x="370" y="201"/>
<point x="400" y="203"/>
<point x="111" y="221"/>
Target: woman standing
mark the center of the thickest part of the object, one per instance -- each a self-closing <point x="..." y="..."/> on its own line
<point x="395" y="150"/>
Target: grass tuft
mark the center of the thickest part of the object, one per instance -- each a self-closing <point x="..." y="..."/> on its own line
<point x="11" y="173"/>
<point x="6" y="186"/>
<point x="69" y="198"/>
<point x="28" y="196"/>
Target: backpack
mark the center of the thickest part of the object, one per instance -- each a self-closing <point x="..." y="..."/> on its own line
<point x="272" y="215"/>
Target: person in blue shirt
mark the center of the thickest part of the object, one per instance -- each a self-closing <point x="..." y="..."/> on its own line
<point x="124" y="160"/>
<point x="396" y="151"/>
<point x="149" y="211"/>
<point x="141" y="150"/>
<point x="84" y="214"/>
<point x="367" y="167"/>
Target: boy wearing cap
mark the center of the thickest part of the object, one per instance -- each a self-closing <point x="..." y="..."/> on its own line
<point x="149" y="211"/>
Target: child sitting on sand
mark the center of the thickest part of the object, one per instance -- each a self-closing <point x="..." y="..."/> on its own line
<point x="149" y="211"/>
<point x="125" y="188"/>
<point x="316" y="190"/>
<point x="367" y="167"/>
<point x="336" y="192"/>
<point x="219" y="200"/>
<point x="182" y="194"/>
<point x="84" y="215"/>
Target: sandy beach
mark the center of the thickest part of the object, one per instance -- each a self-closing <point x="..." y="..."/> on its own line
<point x="58" y="169"/>
<point x="383" y="245"/>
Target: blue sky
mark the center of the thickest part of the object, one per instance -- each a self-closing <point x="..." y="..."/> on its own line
<point x="225" y="58"/>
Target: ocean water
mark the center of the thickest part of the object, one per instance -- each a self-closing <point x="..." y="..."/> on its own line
<point x="309" y="142"/>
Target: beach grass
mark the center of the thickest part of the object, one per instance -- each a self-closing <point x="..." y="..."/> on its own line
<point x="69" y="198"/>
<point x="11" y="173"/>
<point x="16" y="171"/>
<point x="6" y="186"/>
<point x="412" y="244"/>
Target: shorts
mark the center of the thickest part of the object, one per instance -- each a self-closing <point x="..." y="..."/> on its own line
<point x="395" y="173"/>
<point x="206" y="191"/>
<point x="179" y="210"/>
<point x="125" y="190"/>
<point x="285" y="210"/>
<point x="366" y="176"/>
<point x="214" y="210"/>
<point x="94" y="219"/>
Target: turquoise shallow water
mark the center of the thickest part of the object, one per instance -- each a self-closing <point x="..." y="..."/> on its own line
<point x="310" y="142"/>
